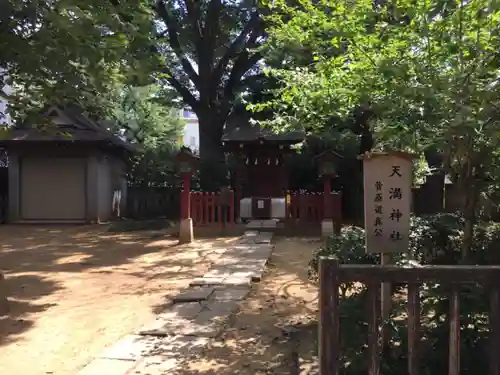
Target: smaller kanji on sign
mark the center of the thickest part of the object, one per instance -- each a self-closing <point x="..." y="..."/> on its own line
<point x="378" y="232"/>
<point x="396" y="214"/>
<point x="378" y="197"/>
<point x="378" y="209"/>
<point x="378" y="185"/>
<point x="378" y="221"/>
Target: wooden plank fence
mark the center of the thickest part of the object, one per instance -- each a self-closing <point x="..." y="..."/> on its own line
<point x="152" y="203"/>
<point x="309" y="207"/>
<point x="332" y="275"/>
<point x="206" y="209"/>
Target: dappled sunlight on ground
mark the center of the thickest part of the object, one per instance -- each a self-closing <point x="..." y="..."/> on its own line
<point x="75" y="290"/>
<point x="257" y="338"/>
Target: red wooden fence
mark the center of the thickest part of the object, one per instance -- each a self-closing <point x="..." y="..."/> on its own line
<point x="206" y="209"/>
<point x="303" y="206"/>
<point x="310" y="206"/>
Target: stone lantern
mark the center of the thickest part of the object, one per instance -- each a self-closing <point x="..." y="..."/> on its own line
<point x="186" y="163"/>
<point x="327" y="163"/>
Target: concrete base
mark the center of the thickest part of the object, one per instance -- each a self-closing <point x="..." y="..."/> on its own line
<point x="186" y="231"/>
<point x="262" y="224"/>
<point x="327" y="228"/>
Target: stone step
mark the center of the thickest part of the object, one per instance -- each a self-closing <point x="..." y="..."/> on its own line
<point x="193" y="294"/>
<point x="207" y="323"/>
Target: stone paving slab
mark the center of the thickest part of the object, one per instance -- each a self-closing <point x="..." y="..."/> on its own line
<point x="165" y="328"/>
<point x="136" y="347"/>
<point x="238" y="281"/>
<point x="157" y="366"/>
<point x="198" y="314"/>
<point x="178" y="315"/>
<point x="231" y="259"/>
<point x="257" y="251"/>
<point x="262" y="224"/>
<point x="108" y="367"/>
<point x="261" y="239"/>
<point x="231" y="293"/>
<point x="194" y="294"/>
<point x="207" y="323"/>
<point x="206" y="281"/>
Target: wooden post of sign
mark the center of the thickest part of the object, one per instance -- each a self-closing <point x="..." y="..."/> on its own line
<point x="387" y="200"/>
<point x="385" y="301"/>
<point x="4" y="303"/>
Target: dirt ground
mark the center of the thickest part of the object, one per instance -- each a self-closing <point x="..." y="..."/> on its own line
<point x="275" y="325"/>
<point x="75" y="290"/>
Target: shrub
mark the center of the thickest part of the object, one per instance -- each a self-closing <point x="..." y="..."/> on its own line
<point x="434" y="239"/>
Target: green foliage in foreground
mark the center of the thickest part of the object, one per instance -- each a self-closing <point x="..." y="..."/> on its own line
<point x="434" y="240"/>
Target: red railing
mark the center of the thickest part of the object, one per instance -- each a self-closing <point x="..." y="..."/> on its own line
<point x="306" y="206"/>
<point x="206" y="208"/>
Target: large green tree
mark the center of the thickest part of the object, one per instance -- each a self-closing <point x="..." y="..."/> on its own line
<point x="211" y="57"/>
<point x="155" y="129"/>
<point x="204" y="51"/>
<point x="66" y="50"/>
<point x="428" y="70"/>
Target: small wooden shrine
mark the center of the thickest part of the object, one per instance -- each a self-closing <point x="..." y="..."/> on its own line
<point x="260" y="156"/>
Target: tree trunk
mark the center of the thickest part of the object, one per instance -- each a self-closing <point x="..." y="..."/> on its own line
<point x="213" y="168"/>
<point x="469" y="211"/>
<point x="4" y="304"/>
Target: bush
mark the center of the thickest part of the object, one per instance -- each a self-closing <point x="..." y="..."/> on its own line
<point x="434" y="239"/>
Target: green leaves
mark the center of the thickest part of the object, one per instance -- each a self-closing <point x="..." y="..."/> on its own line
<point x="66" y="50"/>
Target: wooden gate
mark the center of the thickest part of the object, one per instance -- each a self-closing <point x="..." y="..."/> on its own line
<point x="332" y="275"/>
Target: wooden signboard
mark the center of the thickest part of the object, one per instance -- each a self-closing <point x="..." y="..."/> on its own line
<point x="387" y="196"/>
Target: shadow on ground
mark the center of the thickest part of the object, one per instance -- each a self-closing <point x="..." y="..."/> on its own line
<point x="24" y="291"/>
<point x="43" y="265"/>
<point x="264" y="336"/>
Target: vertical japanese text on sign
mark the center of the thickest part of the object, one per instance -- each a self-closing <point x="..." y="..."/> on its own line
<point x="387" y="184"/>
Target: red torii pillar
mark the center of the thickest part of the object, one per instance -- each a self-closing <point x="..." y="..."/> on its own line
<point x="326" y="164"/>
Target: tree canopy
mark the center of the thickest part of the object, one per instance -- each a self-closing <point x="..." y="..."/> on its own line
<point x="428" y="70"/>
<point x="205" y="52"/>
<point x="155" y="128"/>
<point x="66" y="50"/>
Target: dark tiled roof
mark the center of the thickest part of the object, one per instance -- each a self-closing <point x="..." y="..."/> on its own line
<point x="81" y="129"/>
<point x="239" y="128"/>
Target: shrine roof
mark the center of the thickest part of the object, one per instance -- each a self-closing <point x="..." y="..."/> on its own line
<point x="240" y="128"/>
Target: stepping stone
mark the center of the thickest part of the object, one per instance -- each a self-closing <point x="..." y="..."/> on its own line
<point x="175" y="318"/>
<point x="108" y="367"/>
<point x="135" y="347"/>
<point x="206" y="281"/>
<point x="193" y="294"/>
<point x="189" y="328"/>
<point x="157" y="366"/>
<point x="262" y="224"/>
<point x="264" y="237"/>
<point x="170" y="324"/>
<point x="231" y="293"/>
<point x="238" y="281"/>
<point x="217" y="312"/>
